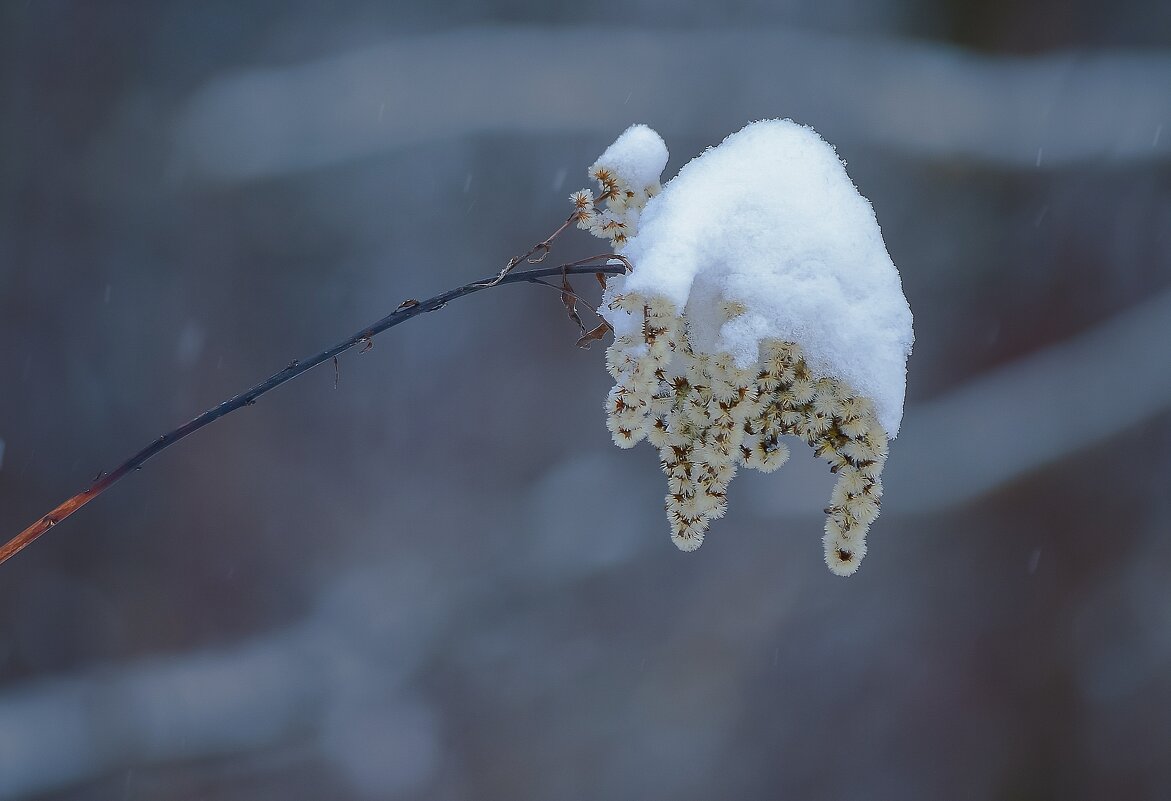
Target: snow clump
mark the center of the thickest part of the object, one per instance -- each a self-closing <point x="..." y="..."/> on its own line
<point x="628" y="176"/>
<point x="761" y="303"/>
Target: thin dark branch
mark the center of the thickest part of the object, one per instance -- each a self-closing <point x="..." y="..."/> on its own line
<point x="404" y="312"/>
<point x="543" y="247"/>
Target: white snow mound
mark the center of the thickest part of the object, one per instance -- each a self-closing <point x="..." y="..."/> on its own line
<point x="637" y="157"/>
<point x="769" y="218"/>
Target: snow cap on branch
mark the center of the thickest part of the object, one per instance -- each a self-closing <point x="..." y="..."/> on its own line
<point x="628" y="176"/>
<point x="761" y="303"/>
<point x="636" y="159"/>
<point x="771" y="220"/>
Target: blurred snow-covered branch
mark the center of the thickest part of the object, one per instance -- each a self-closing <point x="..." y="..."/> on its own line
<point x="1035" y="411"/>
<point x="925" y="100"/>
<point x="281" y="685"/>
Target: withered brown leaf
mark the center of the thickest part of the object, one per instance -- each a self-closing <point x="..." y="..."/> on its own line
<point x="590" y="336"/>
<point x="569" y="300"/>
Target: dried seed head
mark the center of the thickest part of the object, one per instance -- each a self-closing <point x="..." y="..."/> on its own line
<point x="707" y="417"/>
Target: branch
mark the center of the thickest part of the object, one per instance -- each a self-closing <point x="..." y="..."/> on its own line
<point x="406" y="311"/>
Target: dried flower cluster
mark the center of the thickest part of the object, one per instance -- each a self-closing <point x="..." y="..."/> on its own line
<point x="708" y="418"/>
<point x="712" y="368"/>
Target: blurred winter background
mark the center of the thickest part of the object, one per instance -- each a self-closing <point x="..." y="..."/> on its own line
<point x="438" y="579"/>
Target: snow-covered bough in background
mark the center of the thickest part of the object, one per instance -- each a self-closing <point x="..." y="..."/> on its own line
<point x="761" y="302"/>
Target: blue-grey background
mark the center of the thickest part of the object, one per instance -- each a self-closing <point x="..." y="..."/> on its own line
<point x="439" y="580"/>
